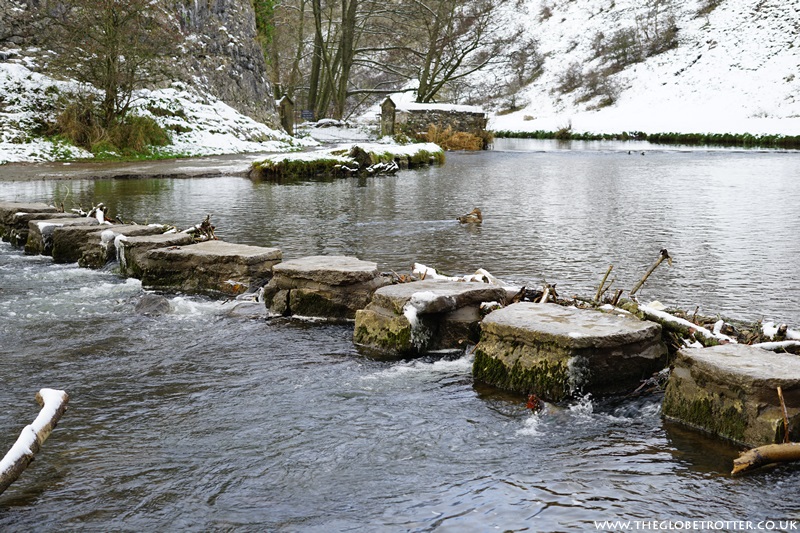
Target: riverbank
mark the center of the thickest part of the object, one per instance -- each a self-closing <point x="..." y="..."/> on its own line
<point x="741" y="140"/>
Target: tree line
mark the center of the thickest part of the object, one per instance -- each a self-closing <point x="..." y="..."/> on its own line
<point x="330" y="56"/>
<point x="334" y="55"/>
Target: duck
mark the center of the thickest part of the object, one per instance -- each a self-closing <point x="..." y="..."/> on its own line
<point x="473" y="217"/>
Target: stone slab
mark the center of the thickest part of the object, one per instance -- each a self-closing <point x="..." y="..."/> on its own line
<point x="327" y="270"/>
<point x="211" y="267"/>
<point x="331" y="287"/>
<point x="439" y="296"/>
<point x="731" y="391"/>
<point x="132" y="251"/>
<point x="16" y="232"/>
<point x="9" y="209"/>
<point x="555" y="351"/>
<point x="93" y="246"/>
<point x="409" y="319"/>
<point x="40" y="232"/>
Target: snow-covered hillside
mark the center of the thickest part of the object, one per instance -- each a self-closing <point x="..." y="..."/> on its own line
<point x="199" y="124"/>
<point x="736" y="69"/>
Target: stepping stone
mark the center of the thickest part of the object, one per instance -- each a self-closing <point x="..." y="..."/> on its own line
<point x="409" y="319"/>
<point x="333" y="287"/>
<point x="210" y="267"/>
<point x="18" y="228"/>
<point x="9" y="209"/>
<point x="730" y="391"/>
<point x="555" y="351"/>
<point x="40" y="232"/>
<point x="132" y="251"/>
<point x="93" y="246"/>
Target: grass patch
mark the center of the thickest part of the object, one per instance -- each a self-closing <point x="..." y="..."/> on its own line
<point x="79" y="123"/>
<point x="455" y="140"/>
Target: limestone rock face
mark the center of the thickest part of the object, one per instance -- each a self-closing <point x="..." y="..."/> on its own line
<point x="210" y="267"/>
<point x="224" y="56"/>
<point x="40" y="232"/>
<point x="731" y="391"/>
<point x="554" y="351"/>
<point x="412" y="318"/>
<point x="333" y="287"/>
<point x="133" y="250"/>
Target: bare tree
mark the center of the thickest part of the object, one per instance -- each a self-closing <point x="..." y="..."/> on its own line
<point x="115" y="46"/>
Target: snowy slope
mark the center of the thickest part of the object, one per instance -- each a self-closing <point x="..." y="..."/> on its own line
<point x="199" y="124"/>
<point x="736" y="69"/>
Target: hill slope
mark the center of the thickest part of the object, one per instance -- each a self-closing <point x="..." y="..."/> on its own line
<point x="736" y="68"/>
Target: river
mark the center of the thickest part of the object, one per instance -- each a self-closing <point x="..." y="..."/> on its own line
<point x="199" y="420"/>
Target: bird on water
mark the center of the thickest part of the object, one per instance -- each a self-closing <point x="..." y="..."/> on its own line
<point x="473" y="217"/>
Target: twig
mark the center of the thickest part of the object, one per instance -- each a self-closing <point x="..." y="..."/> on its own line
<point x="615" y="299"/>
<point x="663" y="254"/>
<point x="600" y="289"/>
<point x="785" y="417"/>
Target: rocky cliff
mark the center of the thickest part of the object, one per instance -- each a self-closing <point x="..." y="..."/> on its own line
<point x="223" y="56"/>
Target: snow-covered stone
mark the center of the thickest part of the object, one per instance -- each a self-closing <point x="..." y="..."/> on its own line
<point x="414" y="318"/>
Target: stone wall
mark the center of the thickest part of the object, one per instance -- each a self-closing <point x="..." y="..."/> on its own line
<point x="417" y="120"/>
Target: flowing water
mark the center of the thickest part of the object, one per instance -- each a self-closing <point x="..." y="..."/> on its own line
<point x="200" y="420"/>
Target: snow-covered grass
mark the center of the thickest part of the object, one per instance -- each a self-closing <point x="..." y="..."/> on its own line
<point x="348" y="160"/>
<point x="735" y="70"/>
<point x="198" y="124"/>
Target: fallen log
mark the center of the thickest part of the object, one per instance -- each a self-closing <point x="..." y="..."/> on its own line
<point x="683" y="327"/>
<point x="765" y="455"/>
<point x="54" y="403"/>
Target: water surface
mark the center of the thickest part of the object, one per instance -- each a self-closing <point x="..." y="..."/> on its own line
<point x="202" y="421"/>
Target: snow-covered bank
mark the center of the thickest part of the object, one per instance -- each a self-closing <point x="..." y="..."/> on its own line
<point x="348" y="160"/>
<point x="198" y="124"/>
<point x="735" y="70"/>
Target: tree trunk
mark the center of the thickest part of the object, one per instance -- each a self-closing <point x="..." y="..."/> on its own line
<point x="316" y="57"/>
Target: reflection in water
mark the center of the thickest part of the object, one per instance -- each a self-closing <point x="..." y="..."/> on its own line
<point x="200" y="421"/>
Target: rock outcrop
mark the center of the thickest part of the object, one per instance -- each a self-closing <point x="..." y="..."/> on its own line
<point x="223" y="55"/>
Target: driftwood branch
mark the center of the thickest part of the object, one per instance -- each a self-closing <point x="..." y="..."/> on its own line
<point x="602" y="288"/>
<point x="54" y="403"/>
<point x="785" y="417"/>
<point x="663" y="254"/>
<point x="765" y="455"/>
